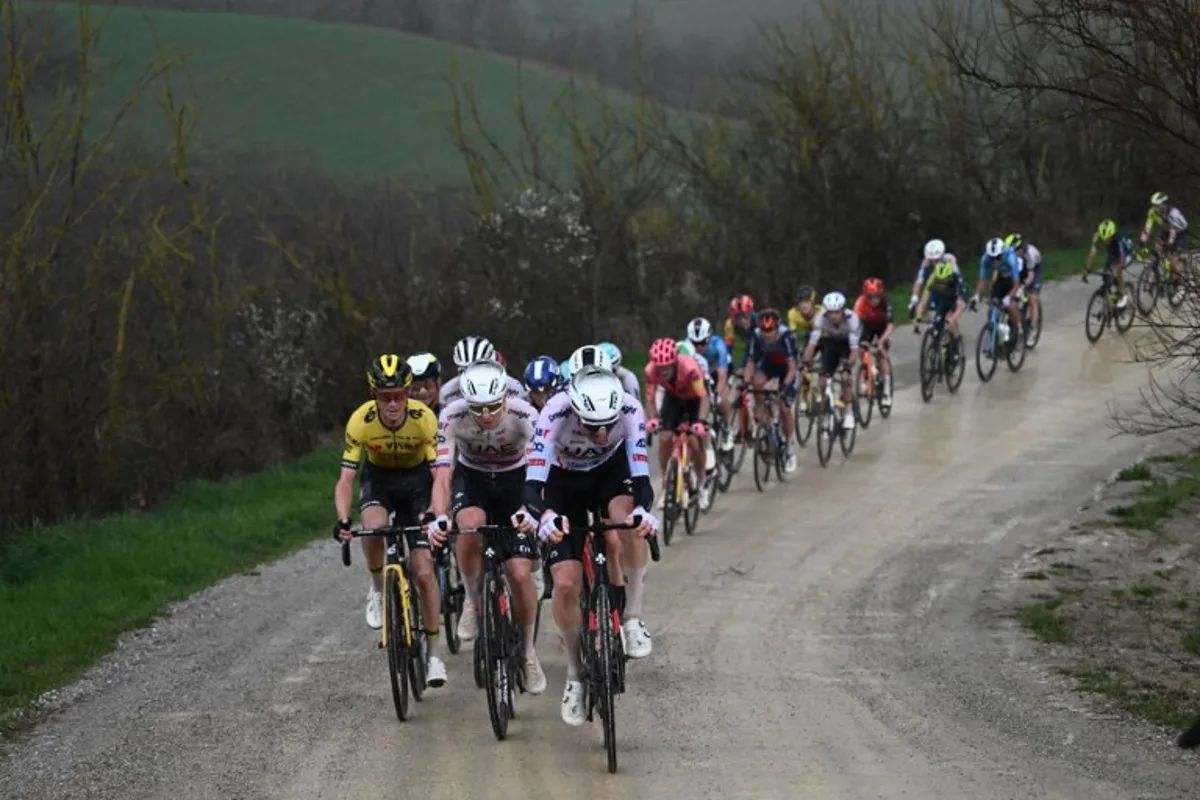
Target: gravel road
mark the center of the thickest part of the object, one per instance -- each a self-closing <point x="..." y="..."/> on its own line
<point x="832" y="638"/>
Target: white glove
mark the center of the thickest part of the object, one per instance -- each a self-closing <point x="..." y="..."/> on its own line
<point x="647" y="518"/>
<point x="437" y="528"/>
<point x="912" y="302"/>
<point x="523" y="521"/>
<point x="549" y="527"/>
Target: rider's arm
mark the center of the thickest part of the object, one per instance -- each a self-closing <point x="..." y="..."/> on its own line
<point x="891" y="322"/>
<point x="919" y="283"/>
<point x="651" y="391"/>
<point x="343" y="490"/>
<point x="751" y="357"/>
<point x="813" y="338"/>
<point x="855" y="325"/>
<point x="635" y="452"/>
<point x="443" y="465"/>
<point x="789" y="346"/>
<point x="541" y="452"/>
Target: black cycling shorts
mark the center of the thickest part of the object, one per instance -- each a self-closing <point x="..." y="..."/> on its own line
<point x="675" y="411"/>
<point x="1002" y="286"/>
<point x="873" y="332"/>
<point x="403" y="492"/>
<point x="573" y="493"/>
<point x="833" y="352"/>
<point x="499" y="495"/>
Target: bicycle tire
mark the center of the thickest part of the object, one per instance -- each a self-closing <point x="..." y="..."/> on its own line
<point x="1122" y="318"/>
<point x="929" y="365"/>
<point x="804" y="420"/>
<point x="418" y="651"/>
<point x="1033" y="333"/>
<point x="691" y="512"/>
<point x="825" y="432"/>
<point x="1097" y="313"/>
<point x="452" y="592"/>
<point x="1147" y="288"/>
<point x="495" y="660"/>
<point x="845" y="434"/>
<point x="985" y="350"/>
<point x="885" y="409"/>
<point x="603" y="668"/>
<point x="864" y="376"/>
<point x="1014" y="354"/>
<point x="740" y="447"/>
<point x="762" y="460"/>
<point x="724" y="470"/>
<point x="669" y="515"/>
<point x="397" y="650"/>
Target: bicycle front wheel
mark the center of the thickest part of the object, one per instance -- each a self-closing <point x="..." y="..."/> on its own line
<point x="452" y="599"/>
<point x="397" y="649"/>
<point x="1014" y="353"/>
<point x="764" y="458"/>
<point x="604" y="667"/>
<point x="670" y="504"/>
<point x="418" y="649"/>
<point x="825" y="433"/>
<point x="1096" y="316"/>
<point x="929" y="365"/>
<point x="864" y="395"/>
<point x="985" y="352"/>
<point x="495" y="661"/>
<point x="1148" y="287"/>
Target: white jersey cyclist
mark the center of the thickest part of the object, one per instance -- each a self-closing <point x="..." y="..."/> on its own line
<point x="451" y="391"/>
<point x="562" y="440"/>
<point x="825" y="329"/>
<point x="500" y="449"/>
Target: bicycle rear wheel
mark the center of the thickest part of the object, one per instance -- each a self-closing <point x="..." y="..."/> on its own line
<point x="495" y="658"/>
<point x="1097" y="315"/>
<point x="691" y="511"/>
<point x="397" y="649"/>
<point x="670" y="504"/>
<point x="1033" y="330"/>
<point x="603" y="678"/>
<point x="864" y="395"/>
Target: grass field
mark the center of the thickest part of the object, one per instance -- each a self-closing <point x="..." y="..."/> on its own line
<point x="364" y="102"/>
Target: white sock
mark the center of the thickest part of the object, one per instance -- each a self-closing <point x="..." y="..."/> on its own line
<point x="472" y="585"/>
<point x="635" y="581"/>
<point x="570" y="639"/>
<point x="529" y="651"/>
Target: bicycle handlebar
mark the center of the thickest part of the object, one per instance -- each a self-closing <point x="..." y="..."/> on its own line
<point x="386" y="530"/>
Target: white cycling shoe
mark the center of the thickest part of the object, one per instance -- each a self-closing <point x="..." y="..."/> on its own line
<point x="468" y="623"/>
<point x="573" y="712"/>
<point x="637" y="639"/>
<point x="374" y="608"/>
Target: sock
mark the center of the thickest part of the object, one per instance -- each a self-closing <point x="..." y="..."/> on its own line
<point x="570" y="638"/>
<point x="472" y="586"/>
<point x="433" y="642"/>
<point x="377" y="578"/>
<point x="529" y="651"/>
<point x="635" y="581"/>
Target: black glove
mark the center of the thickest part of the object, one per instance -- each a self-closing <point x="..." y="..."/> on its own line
<point x="340" y="527"/>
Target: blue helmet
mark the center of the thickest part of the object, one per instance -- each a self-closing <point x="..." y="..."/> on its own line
<point x="613" y="352"/>
<point x="542" y="374"/>
<point x="564" y="370"/>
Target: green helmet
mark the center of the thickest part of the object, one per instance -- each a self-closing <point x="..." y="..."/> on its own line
<point x="1107" y="230"/>
<point x="685" y="348"/>
<point x="1159" y="199"/>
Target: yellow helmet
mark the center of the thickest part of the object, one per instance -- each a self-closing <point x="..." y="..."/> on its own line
<point x="1158" y="199"/>
<point x="943" y="270"/>
<point x="389" y="372"/>
<point x="1107" y="230"/>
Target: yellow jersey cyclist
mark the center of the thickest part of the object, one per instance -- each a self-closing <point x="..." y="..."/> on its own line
<point x="799" y="321"/>
<point x="427" y="379"/>
<point x="1173" y="235"/>
<point x="1118" y="254"/>
<point x="398" y="436"/>
<point x="939" y="288"/>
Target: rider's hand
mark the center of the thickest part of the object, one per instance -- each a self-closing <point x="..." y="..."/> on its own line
<point x="523" y="521"/>
<point x="974" y="302"/>
<point x="553" y="527"/>
<point x="699" y="430"/>
<point x="912" y="303"/>
<point x="651" y="425"/>
<point x="341" y="530"/>
<point x="1085" y="276"/>
<point x="647" y="523"/>
<point x="437" y="529"/>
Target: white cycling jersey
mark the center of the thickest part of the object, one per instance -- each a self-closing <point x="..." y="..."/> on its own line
<point x="630" y="382"/>
<point x="559" y="440"/>
<point x="450" y="391"/>
<point x="501" y="449"/>
<point x="1033" y="256"/>
<point x="824" y="328"/>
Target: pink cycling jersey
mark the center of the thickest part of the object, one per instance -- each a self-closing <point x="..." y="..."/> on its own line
<point x="688" y="383"/>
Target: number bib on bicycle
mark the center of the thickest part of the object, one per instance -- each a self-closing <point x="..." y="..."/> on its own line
<point x="683" y="390"/>
<point x="835" y="338"/>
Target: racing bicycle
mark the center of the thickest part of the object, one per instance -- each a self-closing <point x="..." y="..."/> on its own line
<point x="831" y="416"/>
<point x="1103" y="308"/>
<point x="997" y="340"/>
<point x="770" y="445"/>
<point x="679" y="498"/>
<point x="942" y="357"/>
<point x="868" y="386"/>
<point x="1160" y="278"/>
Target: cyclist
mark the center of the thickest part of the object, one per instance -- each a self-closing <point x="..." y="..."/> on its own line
<point x="1031" y="272"/>
<point x="800" y="319"/>
<point x="941" y="289"/>
<point x="838" y="332"/>
<point x="589" y="452"/>
<point x="685" y="399"/>
<point x="482" y="438"/>
<point x="397" y="434"/>
<point x="469" y="350"/>
<point x="716" y="353"/>
<point x="628" y="379"/>
<point x="427" y="379"/>
<point x="935" y="253"/>
<point x="874" y="311"/>
<point x="1118" y="255"/>
<point x="772" y="357"/>
<point x="1174" y="234"/>
<point x="739" y="327"/>
<point x="542" y="379"/>
<point x="564" y="372"/>
<point x="1001" y="265"/>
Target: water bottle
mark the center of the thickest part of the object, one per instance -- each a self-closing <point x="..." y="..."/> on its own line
<point x="1003" y="332"/>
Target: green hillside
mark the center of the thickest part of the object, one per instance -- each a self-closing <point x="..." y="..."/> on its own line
<point x="364" y="102"/>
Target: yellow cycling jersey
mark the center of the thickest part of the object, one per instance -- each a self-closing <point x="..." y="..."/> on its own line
<point x="800" y="324"/>
<point x="412" y="444"/>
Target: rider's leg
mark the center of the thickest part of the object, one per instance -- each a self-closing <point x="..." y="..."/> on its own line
<point x="469" y="552"/>
<point x="885" y="369"/>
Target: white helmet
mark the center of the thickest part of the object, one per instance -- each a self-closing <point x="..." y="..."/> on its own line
<point x="699" y="329"/>
<point x="596" y="396"/>
<point x="935" y="249"/>
<point x="834" y="301"/>
<point x="483" y="382"/>
<point x="995" y="247"/>
<point x="471" y="349"/>
<point x="587" y="358"/>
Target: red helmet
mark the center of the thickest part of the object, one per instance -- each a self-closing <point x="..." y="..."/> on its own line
<point x="768" y="320"/>
<point x="499" y="357"/>
<point x="663" y="352"/>
<point x="872" y="286"/>
<point x="742" y="304"/>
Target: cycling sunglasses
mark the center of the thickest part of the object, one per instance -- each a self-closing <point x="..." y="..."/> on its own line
<point x="488" y="408"/>
<point x="599" y="427"/>
<point x="387" y="396"/>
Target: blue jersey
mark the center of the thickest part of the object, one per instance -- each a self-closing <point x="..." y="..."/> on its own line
<point x="1006" y="265"/>
<point x="717" y="353"/>
<point x="773" y="355"/>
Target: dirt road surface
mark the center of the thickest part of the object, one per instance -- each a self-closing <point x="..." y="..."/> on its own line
<point x="848" y="656"/>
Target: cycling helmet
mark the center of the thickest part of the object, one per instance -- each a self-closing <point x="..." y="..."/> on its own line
<point x="742" y="304"/>
<point x="663" y="352"/>
<point x="564" y="370"/>
<point x="596" y="397"/>
<point x="541" y="374"/>
<point x="613" y="352"/>
<point x="943" y="271"/>
<point x="499" y="359"/>
<point x="699" y="330"/>
<point x="1014" y="240"/>
<point x="389" y="372"/>
<point x="935" y="249"/>
<point x="768" y="319"/>
<point x="590" y="357"/>
<point x="1159" y="199"/>
<point x="1107" y="230"/>
<point x="834" y="301"/>
<point x="684" y="348"/>
<point x="471" y="349"/>
<point x="994" y="247"/>
<point x="483" y="382"/>
<point x="872" y="286"/>
<point x="806" y="292"/>
<point x="424" y="366"/>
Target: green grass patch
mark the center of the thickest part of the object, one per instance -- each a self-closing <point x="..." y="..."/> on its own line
<point x="1137" y="472"/>
<point x="364" y="102"/>
<point x="69" y="590"/>
<point x="1146" y="699"/>
<point x="1160" y="498"/>
<point x="1145" y="590"/>
<point x="1042" y="621"/>
<point x="1190" y="642"/>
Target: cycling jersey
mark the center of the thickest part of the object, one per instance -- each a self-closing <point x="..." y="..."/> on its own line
<point x="497" y="450"/>
<point x="410" y="445"/>
<point x="952" y="286"/>
<point x="873" y="316"/>
<point x="737" y="335"/>
<point x="925" y="270"/>
<point x="559" y="440"/>
<point x="687" y="383"/>
<point x="1118" y="249"/>
<point x="717" y="354"/>
<point x="849" y="329"/>
<point x="800" y="324"/>
<point x="1006" y="265"/>
<point x="630" y="382"/>
<point x="773" y="356"/>
<point x="450" y="391"/>
<point x="1173" y="219"/>
<point x="702" y="363"/>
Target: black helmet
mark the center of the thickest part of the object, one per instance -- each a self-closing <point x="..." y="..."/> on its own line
<point x="389" y="372"/>
<point x="806" y="293"/>
<point x="425" y="366"/>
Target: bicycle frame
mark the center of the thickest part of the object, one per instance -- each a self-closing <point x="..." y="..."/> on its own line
<point x="395" y="562"/>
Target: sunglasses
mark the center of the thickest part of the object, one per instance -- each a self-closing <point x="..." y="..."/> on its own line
<point x="388" y="397"/>
<point x="490" y="408"/>
<point x="602" y="427"/>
